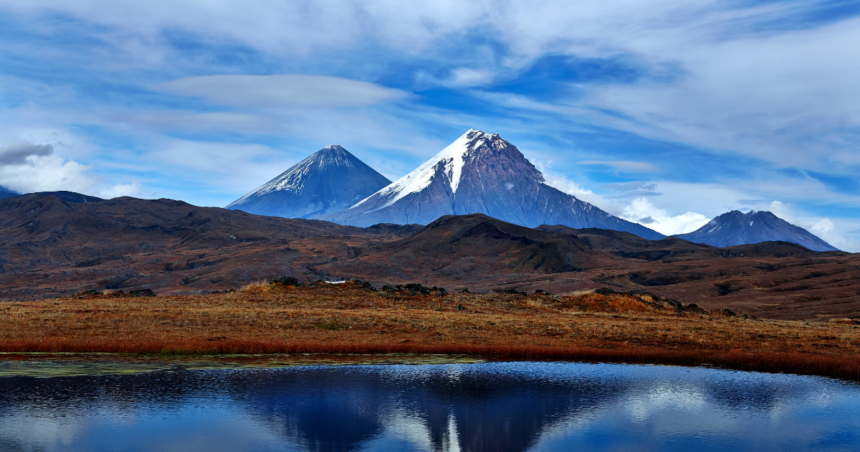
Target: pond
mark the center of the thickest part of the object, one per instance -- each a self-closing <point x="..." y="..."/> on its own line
<point x="518" y="406"/>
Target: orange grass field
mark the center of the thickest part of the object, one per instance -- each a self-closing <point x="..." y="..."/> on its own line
<point x="348" y="319"/>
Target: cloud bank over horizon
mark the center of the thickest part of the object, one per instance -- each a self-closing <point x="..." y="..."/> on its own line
<point x="662" y="113"/>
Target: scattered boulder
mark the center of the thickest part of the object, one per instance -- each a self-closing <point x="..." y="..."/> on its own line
<point x="142" y="293"/>
<point x="725" y="313"/>
<point x="288" y="281"/>
<point x="414" y="289"/>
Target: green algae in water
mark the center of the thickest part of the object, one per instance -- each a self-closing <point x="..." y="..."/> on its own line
<point x="75" y="365"/>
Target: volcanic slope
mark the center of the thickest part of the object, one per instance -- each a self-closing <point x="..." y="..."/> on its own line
<point x="51" y="246"/>
<point x="738" y="228"/>
<point x="481" y="173"/>
<point x="328" y="181"/>
<point x="469" y="248"/>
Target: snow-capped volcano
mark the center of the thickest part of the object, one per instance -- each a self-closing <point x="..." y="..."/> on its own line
<point x="738" y="228"/>
<point x="328" y="181"/>
<point x="481" y="173"/>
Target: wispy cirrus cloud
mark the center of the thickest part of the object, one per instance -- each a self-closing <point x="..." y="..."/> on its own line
<point x="634" y="167"/>
<point x="282" y="90"/>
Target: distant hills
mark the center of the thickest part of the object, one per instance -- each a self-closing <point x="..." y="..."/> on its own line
<point x="51" y="246"/>
<point x="738" y="228"/>
<point x="328" y="181"/>
<point x="68" y="196"/>
<point x="6" y="193"/>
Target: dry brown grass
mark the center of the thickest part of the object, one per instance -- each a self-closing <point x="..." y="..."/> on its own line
<point x="346" y="319"/>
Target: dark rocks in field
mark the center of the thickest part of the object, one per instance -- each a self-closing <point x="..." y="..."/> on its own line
<point x="224" y="291"/>
<point x="288" y="281"/>
<point x="414" y="289"/>
<point x="142" y="293"/>
<point x="725" y="312"/>
<point x="363" y="285"/>
<point x="461" y="307"/>
<point x="541" y="292"/>
<point x="513" y="291"/>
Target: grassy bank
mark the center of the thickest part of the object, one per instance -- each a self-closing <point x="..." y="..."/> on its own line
<point x="347" y="319"/>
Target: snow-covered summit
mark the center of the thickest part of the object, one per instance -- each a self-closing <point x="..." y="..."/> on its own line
<point x="480" y="173"/>
<point x="327" y="181"/>
<point x="449" y="161"/>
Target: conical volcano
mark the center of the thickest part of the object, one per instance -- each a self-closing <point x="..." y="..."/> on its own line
<point x="328" y="181"/>
<point x="481" y="173"/>
<point x="738" y="228"/>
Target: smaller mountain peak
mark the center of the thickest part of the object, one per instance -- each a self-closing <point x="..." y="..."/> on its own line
<point x="739" y="228"/>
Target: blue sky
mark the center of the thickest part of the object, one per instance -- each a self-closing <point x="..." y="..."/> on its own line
<point x="663" y="112"/>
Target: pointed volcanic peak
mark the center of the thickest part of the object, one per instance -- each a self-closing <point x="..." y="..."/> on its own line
<point x="328" y="181"/>
<point x="738" y="228"/>
<point x="481" y="173"/>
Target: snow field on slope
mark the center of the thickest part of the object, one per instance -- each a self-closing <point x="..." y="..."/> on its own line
<point x="419" y="179"/>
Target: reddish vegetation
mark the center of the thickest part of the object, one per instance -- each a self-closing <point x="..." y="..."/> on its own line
<point x="350" y="319"/>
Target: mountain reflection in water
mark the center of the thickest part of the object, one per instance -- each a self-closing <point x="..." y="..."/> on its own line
<point x="477" y="407"/>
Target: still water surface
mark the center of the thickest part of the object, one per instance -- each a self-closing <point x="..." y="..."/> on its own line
<point x="465" y="407"/>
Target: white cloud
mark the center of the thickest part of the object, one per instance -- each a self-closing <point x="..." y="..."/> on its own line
<point x="570" y="187"/>
<point x="841" y="233"/>
<point x="133" y="189"/>
<point x="636" y="167"/>
<point x="40" y="170"/>
<point x="286" y="90"/>
<point x="642" y="211"/>
<point x="196" y="121"/>
<point x="458" y="78"/>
